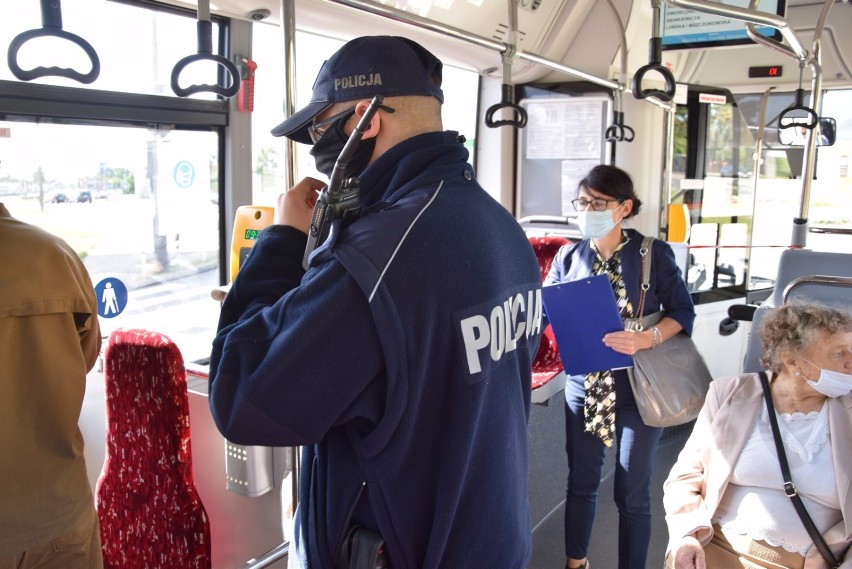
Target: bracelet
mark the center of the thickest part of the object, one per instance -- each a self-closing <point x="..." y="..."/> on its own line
<point x="657" y="338"/>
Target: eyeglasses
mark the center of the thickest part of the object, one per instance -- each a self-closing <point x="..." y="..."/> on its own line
<point x="598" y="204"/>
<point x="316" y="130"/>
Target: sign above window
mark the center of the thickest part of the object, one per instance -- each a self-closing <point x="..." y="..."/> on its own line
<point x="682" y="28"/>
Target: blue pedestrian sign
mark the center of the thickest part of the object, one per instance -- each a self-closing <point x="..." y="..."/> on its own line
<point x="112" y="297"/>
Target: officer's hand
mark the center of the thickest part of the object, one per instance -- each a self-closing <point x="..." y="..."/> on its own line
<point x="296" y="204"/>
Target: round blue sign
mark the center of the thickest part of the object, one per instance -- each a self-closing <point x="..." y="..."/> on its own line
<point x="112" y="297"/>
<point x="184" y="174"/>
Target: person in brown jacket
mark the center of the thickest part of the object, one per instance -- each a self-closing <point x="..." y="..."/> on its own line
<point x="49" y="340"/>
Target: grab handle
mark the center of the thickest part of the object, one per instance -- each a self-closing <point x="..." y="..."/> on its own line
<point x="508" y="91"/>
<point x="811" y="118"/>
<point x="617" y="131"/>
<point x="655" y="57"/>
<point x="205" y="53"/>
<point x="51" y="21"/>
<point x="508" y="102"/>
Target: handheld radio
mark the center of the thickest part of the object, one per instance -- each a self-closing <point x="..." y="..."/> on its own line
<point x="341" y="199"/>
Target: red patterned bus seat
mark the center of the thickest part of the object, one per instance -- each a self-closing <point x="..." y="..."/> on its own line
<point x="149" y="509"/>
<point x="547" y="363"/>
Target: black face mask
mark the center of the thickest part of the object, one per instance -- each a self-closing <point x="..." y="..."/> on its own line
<point x="331" y="143"/>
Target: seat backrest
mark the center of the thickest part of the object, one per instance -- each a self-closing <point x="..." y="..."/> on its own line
<point x="797" y="265"/>
<point x="149" y="509"/>
<point x="547" y="363"/>
<point x="545" y="248"/>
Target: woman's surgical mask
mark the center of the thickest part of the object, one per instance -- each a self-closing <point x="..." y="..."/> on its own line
<point x="830" y="383"/>
<point x="596" y="224"/>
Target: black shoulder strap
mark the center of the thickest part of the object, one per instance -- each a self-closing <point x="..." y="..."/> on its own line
<point x="789" y="487"/>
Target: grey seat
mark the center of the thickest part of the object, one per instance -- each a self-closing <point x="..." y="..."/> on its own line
<point x="813" y="275"/>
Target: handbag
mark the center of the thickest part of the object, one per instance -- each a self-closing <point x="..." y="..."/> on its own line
<point x="789" y="487"/>
<point x="669" y="381"/>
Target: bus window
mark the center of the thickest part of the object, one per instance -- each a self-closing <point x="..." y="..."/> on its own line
<point x="136" y="205"/>
<point x="718" y="191"/>
<point x="461" y="90"/>
<point x="779" y="190"/>
<point x="831" y="192"/>
<point x="269" y="159"/>
<point x="137" y="47"/>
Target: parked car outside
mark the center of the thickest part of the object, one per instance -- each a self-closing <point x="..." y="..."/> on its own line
<point x="59" y="198"/>
<point x="84" y="197"/>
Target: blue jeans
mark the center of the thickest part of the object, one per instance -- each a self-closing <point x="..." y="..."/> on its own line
<point x="636" y="445"/>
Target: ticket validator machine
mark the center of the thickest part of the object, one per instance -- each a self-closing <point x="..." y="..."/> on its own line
<point x="248" y="469"/>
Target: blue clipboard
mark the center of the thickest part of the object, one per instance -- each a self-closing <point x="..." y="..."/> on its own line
<point x="581" y="312"/>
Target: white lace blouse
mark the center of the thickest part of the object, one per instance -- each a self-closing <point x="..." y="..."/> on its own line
<point x="754" y="503"/>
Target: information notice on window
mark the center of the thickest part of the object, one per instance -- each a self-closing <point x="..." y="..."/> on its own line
<point x="572" y="172"/>
<point x="564" y="129"/>
<point x="563" y="140"/>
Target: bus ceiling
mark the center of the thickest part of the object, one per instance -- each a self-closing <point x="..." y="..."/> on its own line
<point x="565" y="32"/>
<point x="551" y="34"/>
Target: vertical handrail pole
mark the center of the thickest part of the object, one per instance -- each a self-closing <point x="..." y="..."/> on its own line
<point x="288" y="28"/>
<point x="800" y="225"/>
<point x="666" y="169"/>
<point x="758" y="162"/>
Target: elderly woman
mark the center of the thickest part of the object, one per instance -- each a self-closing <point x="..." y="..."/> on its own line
<point x="724" y="498"/>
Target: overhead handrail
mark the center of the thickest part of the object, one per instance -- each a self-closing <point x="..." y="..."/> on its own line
<point x="655" y="58"/>
<point x="205" y="53"/>
<point x="449" y="31"/>
<point x="507" y="100"/>
<point x="617" y="131"/>
<point x="771" y="43"/>
<point x="398" y="15"/>
<point x="51" y="26"/>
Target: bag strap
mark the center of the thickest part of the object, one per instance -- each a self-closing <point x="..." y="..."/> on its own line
<point x="789" y="487"/>
<point x="644" y="250"/>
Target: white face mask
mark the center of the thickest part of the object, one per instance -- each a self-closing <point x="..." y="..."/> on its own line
<point x="596" y="224"/>
<point x="830" y="383"/>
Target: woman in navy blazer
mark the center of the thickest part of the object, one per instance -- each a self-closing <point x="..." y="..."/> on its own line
<point x="606" y="198"/>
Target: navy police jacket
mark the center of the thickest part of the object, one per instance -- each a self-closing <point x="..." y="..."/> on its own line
<point x="401" y="361"/>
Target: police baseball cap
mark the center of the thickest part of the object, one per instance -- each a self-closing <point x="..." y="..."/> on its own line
<point x="390" y="66"/>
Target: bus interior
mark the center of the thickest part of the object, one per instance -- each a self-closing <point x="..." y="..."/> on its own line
<point x="139" y="132"/>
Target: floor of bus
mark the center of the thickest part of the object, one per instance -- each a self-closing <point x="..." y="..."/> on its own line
<point x="547" y="493"/>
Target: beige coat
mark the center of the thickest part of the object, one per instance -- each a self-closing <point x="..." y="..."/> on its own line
<point x="699" y="477"/>
<point x="49" y="340"/>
